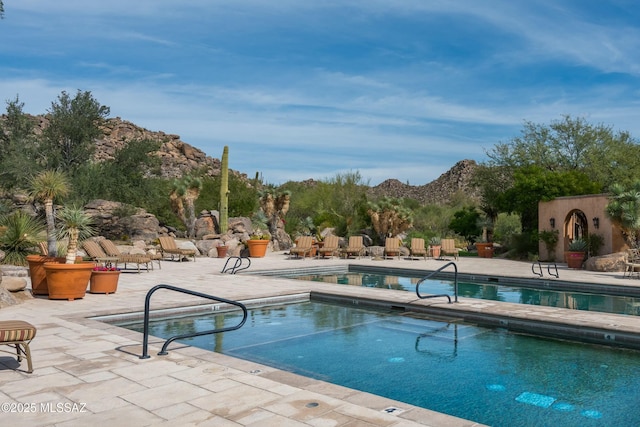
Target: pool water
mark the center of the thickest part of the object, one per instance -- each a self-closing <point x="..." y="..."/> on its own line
<point x="515" y="294"/>
<point x="490" y="376"/>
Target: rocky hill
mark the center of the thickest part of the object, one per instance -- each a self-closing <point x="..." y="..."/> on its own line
<point x="180" y="158"/>
<point x="457" y="179"/>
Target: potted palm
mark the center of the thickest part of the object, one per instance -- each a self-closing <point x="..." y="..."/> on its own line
<point x="576" y="252"/>
<point x="69" y="280"/>
<point x="46" y="187"/>
<point x="435" y="245"/>
<point x="485" y="248"/>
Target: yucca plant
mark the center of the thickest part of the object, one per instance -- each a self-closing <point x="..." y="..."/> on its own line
<point x="74" y="225"/>
<point x="22" y="234"/>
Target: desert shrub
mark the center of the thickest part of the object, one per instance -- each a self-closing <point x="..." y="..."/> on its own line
<point x="21" y="235"/>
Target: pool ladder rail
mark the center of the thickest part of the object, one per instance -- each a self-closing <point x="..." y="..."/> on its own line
<point x="433" y="273"/>
<point x="549" y="265"/>
<point x="236" y="266"/>
<point x="163" y="352"/>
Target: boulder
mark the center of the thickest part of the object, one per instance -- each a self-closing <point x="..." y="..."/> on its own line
<point x="13" y="284"/>
<point x="607" y="263"/>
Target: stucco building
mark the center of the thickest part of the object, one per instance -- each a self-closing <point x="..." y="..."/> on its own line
<point x="577" y="217"/>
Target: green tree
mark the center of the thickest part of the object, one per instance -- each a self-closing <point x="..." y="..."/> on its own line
<point x="184" y="193"/>
<point x="572" y="144"/>
<point x="74" y="225"/>
<point x="46" y="187"/>
<point x="18" y="146"/>
<point x="533" y="184"/>
<point x="465" y="222"/>
<point x="624" y="210"/>
<point x="389" y="217"/>
<point x="74" y="124"/>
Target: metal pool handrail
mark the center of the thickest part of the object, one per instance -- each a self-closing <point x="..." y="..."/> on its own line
<point x="455" y="283"/>
<point x="237" y="266"/>
<point x="145" y="342"/>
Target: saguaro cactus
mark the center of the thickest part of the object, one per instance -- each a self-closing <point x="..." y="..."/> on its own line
<point x="224" y="191"/>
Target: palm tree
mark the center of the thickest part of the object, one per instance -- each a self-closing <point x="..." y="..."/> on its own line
<point x="74" y="224"/>
<point x="624" y="210"/>
<point x="46" y="187"/>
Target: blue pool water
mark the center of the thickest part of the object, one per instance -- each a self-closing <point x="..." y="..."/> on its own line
<point x="515" y="294"/>
<point x="490" y="376"/>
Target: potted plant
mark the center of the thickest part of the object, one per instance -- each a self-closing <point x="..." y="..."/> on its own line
<point x="576" y="252"/>
<point x="258" y="245"/>
<point x="435" y="246"/>
<point x="222" y="250"/>
<point x="485" y="248"/>
<point x="69" y="280"/>
<point x="104" y="279"/>
<point x="46" y="187"/>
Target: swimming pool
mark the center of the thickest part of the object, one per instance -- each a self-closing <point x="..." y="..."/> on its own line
<point x="625" y="303"/>
<point x="490" y="376"/>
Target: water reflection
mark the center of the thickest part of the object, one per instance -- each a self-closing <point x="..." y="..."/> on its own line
<point x="575" y="301"/>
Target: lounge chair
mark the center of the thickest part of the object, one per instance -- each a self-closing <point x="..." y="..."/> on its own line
<point x="18" y="334"/>
<point x="168" y="246"/>
<point x="449" y="248"/>
<point x="303" y="248"/>
<point x="44" y="248"/>
<point x="392" y="247"/>
<point x="418" y="248"/>
<point x="96" y="253"/>
<point x="355" y="247"/>
<point x="112" y="250"/>
<point x="632" y="263"/>
<point x="330" y="247"/>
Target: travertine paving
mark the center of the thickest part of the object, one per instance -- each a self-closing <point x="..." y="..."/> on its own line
<point x="89" y="373"/>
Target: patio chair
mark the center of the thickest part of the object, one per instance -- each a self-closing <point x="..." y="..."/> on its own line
<point x="18" y="334"/>
<point x="138" y="259"/>
<point x="632" y="263"/>
<point x="449" y="248"/>
<point x="330" y="247"/>
<point x="44" y="248"/>
<point x="355" y="247"/>
<point x="392" y="247"/>
<point x="96" y="253"/>
<point x="303" y="248"/>
<point x="418" y="248"/>
<point x="168" y="246"/>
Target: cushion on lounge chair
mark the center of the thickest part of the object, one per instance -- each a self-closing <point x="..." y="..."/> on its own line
<point x="112" y="250"/>
<point x="418" y="248"/>
<point x="355" y="247"/>
<point x="169" y="246"/>
<point x="304" y="246"/>
<point x="392" y="247"/>
<point x="18" y="334"/>
<point x="330" y="247"/>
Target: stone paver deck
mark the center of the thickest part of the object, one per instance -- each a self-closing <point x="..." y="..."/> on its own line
<point x="88" y="373"/>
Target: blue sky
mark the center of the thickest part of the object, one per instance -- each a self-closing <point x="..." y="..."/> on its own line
<point x="303" y="89"/>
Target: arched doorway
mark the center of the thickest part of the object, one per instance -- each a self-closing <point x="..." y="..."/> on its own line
<point x="575" y="227"/>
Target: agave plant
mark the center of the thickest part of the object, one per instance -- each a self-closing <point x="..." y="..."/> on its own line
<point x="22" y="232"/>
<point x="75" y="225"/>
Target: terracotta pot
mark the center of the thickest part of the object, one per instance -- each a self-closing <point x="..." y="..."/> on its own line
<point x="485" y="250"/>
<point x="222" y="251"/>
<point x="68" y="281"/>
<point x="257" y="248"/>
<point x="435" y="250"/>
<point x="575" y="259"/>
<point x="37" y="273"/>
<point x="104" y="282"/>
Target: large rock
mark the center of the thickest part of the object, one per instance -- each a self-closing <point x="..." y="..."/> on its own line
<point x="13" y="284"/>
<point x="607" y="263"/>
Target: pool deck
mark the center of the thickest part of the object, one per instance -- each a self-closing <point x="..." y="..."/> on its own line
<point x="88" y="373"/>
